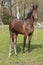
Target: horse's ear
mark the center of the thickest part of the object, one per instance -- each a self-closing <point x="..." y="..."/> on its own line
<point x="36" y="6"/>
<point x="32" y="5"/>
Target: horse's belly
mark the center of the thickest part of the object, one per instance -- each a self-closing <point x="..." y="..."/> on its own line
<point x="18" y="29"/>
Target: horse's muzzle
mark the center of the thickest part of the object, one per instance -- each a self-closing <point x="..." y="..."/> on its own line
<point x="36" y="19"/>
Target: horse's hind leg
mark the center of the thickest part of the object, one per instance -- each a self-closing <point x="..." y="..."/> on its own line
<point x="24" y="43"/>
<point x="10" y="44"/>
<point x="15" y="39"/>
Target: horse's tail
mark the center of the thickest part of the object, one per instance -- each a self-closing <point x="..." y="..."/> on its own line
<point x="12" y="37"/>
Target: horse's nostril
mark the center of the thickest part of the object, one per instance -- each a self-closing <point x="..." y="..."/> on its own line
<point x="36" y="19"/>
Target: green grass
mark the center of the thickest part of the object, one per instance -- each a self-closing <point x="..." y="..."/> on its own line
<point x="35" y="57"/>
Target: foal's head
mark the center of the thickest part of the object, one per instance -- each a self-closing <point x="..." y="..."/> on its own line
<point x="35" y="12"/>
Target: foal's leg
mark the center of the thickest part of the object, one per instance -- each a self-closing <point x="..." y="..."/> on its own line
<point x="15" y="39"/>
<point x="24" y="43"/>
<point x="10" y="43"/>
<point x="30" y="36"/>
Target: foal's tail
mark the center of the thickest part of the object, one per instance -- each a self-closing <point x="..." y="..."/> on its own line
<point x="12" y="37"/>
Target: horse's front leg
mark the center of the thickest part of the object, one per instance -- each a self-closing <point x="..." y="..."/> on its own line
<point x="10" y="44"/>
<point x="15" y="39"/>
<point x="29" y="41"/>
<point x="24" y="43"/>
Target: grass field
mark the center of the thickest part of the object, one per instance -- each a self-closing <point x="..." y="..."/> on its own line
<point x="35" y="57"/>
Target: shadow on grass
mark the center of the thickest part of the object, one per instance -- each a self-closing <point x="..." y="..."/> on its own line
<point x="33" y="46"/>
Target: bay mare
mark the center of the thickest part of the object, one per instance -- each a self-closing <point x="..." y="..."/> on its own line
<point x="25" y="27"/>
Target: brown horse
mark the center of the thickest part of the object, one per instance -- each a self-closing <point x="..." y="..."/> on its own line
<point x="25" y="27"/>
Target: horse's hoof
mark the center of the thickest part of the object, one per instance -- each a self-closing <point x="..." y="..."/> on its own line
<point x="23" y="51"/>
<point x="9" y="54"/>
<point x="16" y="54"/>
<point x="29" y="50"/>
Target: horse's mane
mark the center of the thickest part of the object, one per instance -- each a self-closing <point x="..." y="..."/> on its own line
<point x="29" y="14"/>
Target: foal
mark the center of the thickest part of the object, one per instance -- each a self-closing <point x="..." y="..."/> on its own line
<point x="25" y="27"/>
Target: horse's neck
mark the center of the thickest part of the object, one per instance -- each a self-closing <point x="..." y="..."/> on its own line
<point x="30" y="19"/>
